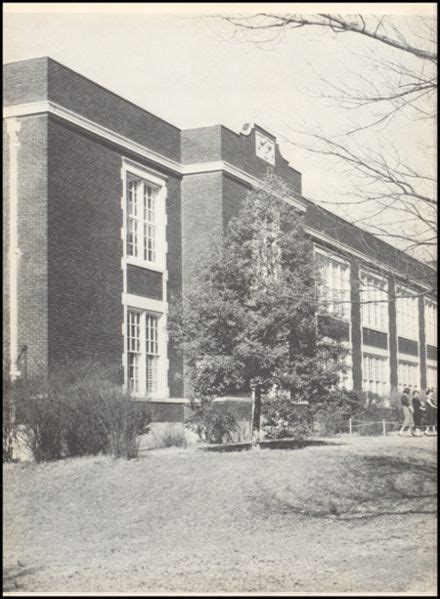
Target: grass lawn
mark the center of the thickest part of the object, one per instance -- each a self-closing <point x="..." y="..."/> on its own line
<point x="357" y="515"/>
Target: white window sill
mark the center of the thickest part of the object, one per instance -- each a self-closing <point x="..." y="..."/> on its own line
<point x="144" y="264"/>
<point x="375" y="329"/>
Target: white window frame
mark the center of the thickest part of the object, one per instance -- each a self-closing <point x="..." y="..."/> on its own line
<point x="139" y="303"/>
<point x="374" y="316"/>
<point x="133" y="170"/>
<point x="370" y="360"/>
<point x="430" y="307"/>
<point x="408" y="362"/>
<point x="407" y="314"/>
<point x="431" y="377"/>
<point x="146" y="307"/>
<point x="341" y="311"/>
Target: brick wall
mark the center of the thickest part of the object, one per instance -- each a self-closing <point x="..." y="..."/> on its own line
<point x="25" y="81"/>
<point x="234" y="194"/>
<point x="32" y="240"/>
<point x="392" y="333"/>
<point x="5" y="223"/>
<point x="356" y="334"/>
<point x="147" y="283"/>
<point x="45" y="79"/>
<point x="85" y="247"/>
<point x="239" y="150"/>
<point x="202" y="220"/>
<point x="422" y="343"/>
<point x="201" y="145"/>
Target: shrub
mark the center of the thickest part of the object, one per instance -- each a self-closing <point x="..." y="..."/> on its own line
<point x="79" y="411"/>
<point x="212" y="422"/>
<point x="331" y="417"/>
<point x="169" y="436"/>
<point x="283" y="418"/>
<point x="9" y="428"/>
<point x="125" y="419"/>
<point x="41" y="410"/>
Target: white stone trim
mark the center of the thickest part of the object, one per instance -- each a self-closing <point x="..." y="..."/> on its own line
<point x="407" y="358"/>
<point x="128" y="144"/>
<point x="13" y="127"/>
<point x="329" y="254"/>
<point x="379" y="351"/>
<point x="145" y="304"/>
<point x="92" y="127"/>
<point x="346" y="248"/>
<point x="187" y="169"/>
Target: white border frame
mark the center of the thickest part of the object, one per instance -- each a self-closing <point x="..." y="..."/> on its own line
<point x="138" y="302"/>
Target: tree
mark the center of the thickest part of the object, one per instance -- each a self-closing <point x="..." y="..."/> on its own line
<point x="250" y="322"/>
<point x="396" y="79"/>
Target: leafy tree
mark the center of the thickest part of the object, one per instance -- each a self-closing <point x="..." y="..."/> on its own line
<point x="249" y="321"/>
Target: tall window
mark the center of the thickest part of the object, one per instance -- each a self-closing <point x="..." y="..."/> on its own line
<point x="407" y="314"/>
<point x="408" y="374"/>
<point x="334" y="286"/>
<point x="375" y="374"/>
<point x="142" y="219"/>
<point x="142" y="352"/>
<point x="431" y="322"/>
<point x="431" y="377"/>
<point x="374" y="302"/>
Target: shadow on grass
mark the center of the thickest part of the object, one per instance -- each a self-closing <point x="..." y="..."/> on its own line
<point x="359" y="488"/>
<point x="269" y="444"/>
<point x="13" y="577"/>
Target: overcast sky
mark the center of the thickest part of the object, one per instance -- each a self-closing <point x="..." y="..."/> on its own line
<point x="186" y="69"/>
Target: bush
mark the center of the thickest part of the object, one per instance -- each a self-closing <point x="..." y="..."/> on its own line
<point x="282" y="418"/>
<point x="79" y="411"/>
<point x="9" y="429"/>
<point x="331" y="417"/>
<point x="125" y="420"/>
<point x="41" y="410"/>
<point x="212" y="422"/>
<point x="169" y="436"/>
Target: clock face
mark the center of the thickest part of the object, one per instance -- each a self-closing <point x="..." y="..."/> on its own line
<point x="265" y="148"/>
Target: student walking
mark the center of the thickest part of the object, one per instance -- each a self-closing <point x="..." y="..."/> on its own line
<point x="418" y="411"/>
<point x="431" y="412"/>
<point x="408" y="421"/>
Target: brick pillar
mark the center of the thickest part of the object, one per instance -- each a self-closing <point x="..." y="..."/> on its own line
<point x="422" y="343"/>
<point x="356" y="334"/>
<point x="392" y="331"/>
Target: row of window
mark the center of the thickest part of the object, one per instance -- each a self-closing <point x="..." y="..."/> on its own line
<point x="376" y="374"/>
<point x="334" y="297"/>
<point x="144" y="244"/>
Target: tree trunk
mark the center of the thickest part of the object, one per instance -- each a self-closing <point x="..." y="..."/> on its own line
<point x="256" y="417"/>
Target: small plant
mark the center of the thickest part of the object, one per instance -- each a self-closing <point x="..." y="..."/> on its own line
<point x="331" y="417"/>
<point x="283" y="420"/>
<point x="169" y="436"/>
<point x="125" y="419"/>
<point x="212" y="422"/>
<point x="8" y="421"/>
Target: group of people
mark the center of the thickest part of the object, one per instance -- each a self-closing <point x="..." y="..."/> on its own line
<point x="418" y="414"/>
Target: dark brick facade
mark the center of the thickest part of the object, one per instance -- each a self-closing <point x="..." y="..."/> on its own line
<point x="32" y="240"/>
<point x="374" y="338"/>
<point x="70" y="220"/>
<point x="144" y="282"/>
<point x="392" y="332"/>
